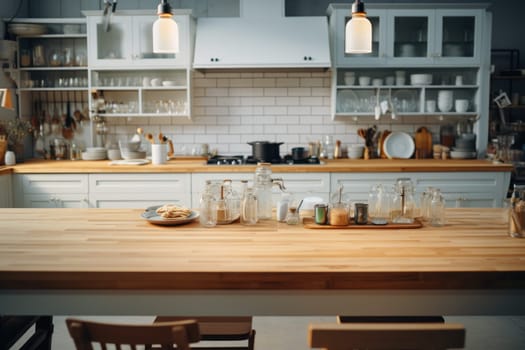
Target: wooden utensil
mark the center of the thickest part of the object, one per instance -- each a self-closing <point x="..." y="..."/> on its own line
<point x="423" y="141"/>
<point x="150" y="138"/>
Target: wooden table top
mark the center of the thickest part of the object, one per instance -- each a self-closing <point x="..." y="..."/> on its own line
<point x="117" y="249"/>
<point x="188" y="165"/>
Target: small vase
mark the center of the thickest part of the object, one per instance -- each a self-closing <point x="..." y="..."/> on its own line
<point x="10" y="158"/>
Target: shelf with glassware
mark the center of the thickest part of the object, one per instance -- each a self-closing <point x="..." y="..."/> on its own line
<point x="442" y="92"/>
<point x="141" y="93"/>
<point x="413" y="34"/>
<point x="128" y="41"/>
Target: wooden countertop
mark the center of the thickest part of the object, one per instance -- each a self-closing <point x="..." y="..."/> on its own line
<point x="117" y="249"/>
<point x="199" y="166"/>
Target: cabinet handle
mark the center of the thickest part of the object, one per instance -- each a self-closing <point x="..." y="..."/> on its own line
<point x="307" y="58"/>
<point x="214" y="59"/>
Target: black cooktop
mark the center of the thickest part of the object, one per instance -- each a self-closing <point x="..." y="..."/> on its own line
<point x="241" y="160"/>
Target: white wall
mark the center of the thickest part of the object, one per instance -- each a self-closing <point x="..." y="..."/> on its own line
<point x="231" y="109"/>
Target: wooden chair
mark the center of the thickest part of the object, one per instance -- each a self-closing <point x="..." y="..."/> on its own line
<point x="220" y="329"/>
<point x="382" y="336"/>
<point x="165" y="335"/>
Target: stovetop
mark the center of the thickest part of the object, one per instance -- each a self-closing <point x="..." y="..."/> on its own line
<point x="241" y="160"/>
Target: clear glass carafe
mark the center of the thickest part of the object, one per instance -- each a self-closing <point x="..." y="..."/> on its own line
<point x="437" y="208"/>
<point x="249" y="215"/>
<point x="263" y="190"/>
<point x="403" y="205"/>
<point x="378" y="205"/>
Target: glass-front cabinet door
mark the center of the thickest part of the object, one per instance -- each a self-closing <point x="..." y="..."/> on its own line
<point x="129" y="42"/>
<point x="410" y="36"/>
<point x="378" y="19"/>
<point x="109" y="46"/>
<point x="458" y="35"/>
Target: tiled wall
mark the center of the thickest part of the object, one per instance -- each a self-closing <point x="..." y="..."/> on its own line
<point x="233" y="108"/>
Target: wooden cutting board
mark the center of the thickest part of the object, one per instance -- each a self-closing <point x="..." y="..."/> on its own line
<point x="423" y="140"/>
<point x="381" y="143"/>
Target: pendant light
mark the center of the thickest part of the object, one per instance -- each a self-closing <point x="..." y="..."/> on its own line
<point x="165" y="30"/>
<point x="358" y="31"/>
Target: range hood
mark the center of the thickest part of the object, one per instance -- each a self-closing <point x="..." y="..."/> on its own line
<point x="262" y="37"/>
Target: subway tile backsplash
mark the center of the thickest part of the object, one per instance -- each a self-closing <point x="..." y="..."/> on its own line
<point x="232" y="108"/>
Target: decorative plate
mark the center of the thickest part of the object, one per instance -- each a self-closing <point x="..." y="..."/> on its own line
<point x="399" y="145"/>
<point x="150" y="214"/>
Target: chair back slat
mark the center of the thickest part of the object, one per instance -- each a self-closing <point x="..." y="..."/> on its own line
<point x="166" y="334"/>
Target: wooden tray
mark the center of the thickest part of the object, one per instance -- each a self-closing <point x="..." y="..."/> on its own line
<point x="310" y="223"/>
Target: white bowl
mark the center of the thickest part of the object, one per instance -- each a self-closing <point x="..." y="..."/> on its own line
<point x="169" y="83"/>
<point x="133" y="154"/>
<point x="421" y="79"/>
<point x="364" y="81"/>
<point x="128" y="145"/>
<point x="355" y="151"/>
<point x="71" y="28"/>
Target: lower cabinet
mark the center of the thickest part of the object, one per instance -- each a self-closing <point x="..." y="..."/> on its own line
<point x="138" y="190"/>
<point x="460" y="189"/>
<point x="126" y="190"/>
<point x="51" y="190"/>
<point x="6" y="191"/>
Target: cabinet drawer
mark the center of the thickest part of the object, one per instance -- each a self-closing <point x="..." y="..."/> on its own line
<point x="137" y="184"/>
<point x="54" y="183"/>
<point x="138" y="200"/>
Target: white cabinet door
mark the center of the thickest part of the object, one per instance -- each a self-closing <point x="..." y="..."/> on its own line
<point x="338" y="21"/>
<point x="56" y="200"/>
<point x="138" y="190"/>
<point x="51" y="190"/>
<point x="6" y="191"/>
<point x="129" y="42"/>
<point x="461" y="189"/>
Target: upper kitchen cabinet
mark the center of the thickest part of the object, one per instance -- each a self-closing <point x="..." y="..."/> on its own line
<point x="128" y="41"/>
<point x="52" y="54"/>
<point x="414" y="34"/>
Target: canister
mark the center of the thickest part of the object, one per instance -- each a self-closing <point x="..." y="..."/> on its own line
<point x="321" y="213"/>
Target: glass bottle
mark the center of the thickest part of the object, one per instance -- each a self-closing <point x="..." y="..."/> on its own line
<point x="437" y="209"/>
<point x="403" y="204"/>
<point x="263" y="190"/>
<point x="208" y="206"/>
<point x="378" y="205"/>
<point x="249" y="215"/>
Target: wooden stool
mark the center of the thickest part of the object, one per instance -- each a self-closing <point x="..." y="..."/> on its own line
<point x="220" y="328"/>
<point x="14" y="327"/>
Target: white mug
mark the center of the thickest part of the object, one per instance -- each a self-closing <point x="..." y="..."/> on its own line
<point x="461" y="106"/>
<point x="159" y="153"/>
<point x="459" y="80"/>
<point x="431" y="106"/>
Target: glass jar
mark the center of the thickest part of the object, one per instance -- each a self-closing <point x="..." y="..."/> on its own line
<point x="208" y="206"/>
<point x="437" y="209"/>
<point x="263" y="190"/>
<point x="249" y="214"/>
<point x="403" y="205"/>
<point x="378" y="205"/>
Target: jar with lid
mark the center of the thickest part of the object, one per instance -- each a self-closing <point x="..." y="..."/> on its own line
<point x="403" y="205"/>
<point x="263" y="190"/>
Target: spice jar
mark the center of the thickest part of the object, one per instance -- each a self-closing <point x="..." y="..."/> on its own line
<point x="338" y="214"/>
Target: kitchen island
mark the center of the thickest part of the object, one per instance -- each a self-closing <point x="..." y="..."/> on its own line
<point x="111" y="261"/>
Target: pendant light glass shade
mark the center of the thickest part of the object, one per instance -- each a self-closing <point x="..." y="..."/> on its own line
<point x="358" y="31"/>
<point x="165" y="31"/>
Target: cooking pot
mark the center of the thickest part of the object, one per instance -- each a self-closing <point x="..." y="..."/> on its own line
<point x="265" y="151"/>
<point x="299" y="153"/>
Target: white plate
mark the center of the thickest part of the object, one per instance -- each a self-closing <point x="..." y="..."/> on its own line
<point x="169" y="83"/>
<point x="150" y="214"/>
<point x="129" y="162"/>
<point x="399" y="145"/>
<point x="26" y="29"/>
<point x="463" y="154"/>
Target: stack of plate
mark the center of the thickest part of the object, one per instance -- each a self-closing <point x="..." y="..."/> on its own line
<point x="26" y="29"/>
<point x="95" y="153"/>
<point x="465" y="147"/>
